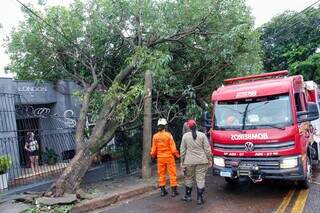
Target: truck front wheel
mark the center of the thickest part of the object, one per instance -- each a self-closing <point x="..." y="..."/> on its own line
<point x="304" y="184"/>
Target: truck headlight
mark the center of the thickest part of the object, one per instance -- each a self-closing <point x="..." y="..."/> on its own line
<point x="218" y="161"/>
<point x="288" y="163"/>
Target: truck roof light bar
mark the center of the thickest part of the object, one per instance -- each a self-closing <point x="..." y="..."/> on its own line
<point x="277" y="74"/>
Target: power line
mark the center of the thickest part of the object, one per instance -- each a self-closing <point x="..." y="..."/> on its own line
<point x="275" y="35"/>
<point x="296" y="22"/>
<point x="52" y="27"/>
<point x="311" y="28"/>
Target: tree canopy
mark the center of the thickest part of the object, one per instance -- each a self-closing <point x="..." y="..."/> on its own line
<point x="291" y="40"/>
<point x="106" y="46"/>
<point x="190" y="46"/>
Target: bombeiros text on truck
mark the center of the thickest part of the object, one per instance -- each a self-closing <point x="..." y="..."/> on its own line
<point x="266" y="127"/>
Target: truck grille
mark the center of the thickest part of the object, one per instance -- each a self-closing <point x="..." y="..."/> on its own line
<point x="262" y="163"/>
<point x="257" y="147"/>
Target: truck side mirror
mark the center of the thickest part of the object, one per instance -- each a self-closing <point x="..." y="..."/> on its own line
<point x="206" y="119"/>
<point x="313" y="112"/>
<point x="311" y="115"/>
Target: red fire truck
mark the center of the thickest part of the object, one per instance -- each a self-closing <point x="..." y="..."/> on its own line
<point x="261" y="128"/>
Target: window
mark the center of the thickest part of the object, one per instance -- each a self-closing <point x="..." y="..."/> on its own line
<point x="298" y="102"/>
<point x="260" y="112"/>
<point x="305" y="105"/>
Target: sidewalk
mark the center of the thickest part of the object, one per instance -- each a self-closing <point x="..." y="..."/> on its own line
<point x="93" y="196"/>
<point x="111" y="192"/>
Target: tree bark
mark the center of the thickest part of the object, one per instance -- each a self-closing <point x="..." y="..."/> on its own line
<point x="102" y="133"/>
<point x="71" y="177"/>
<point x="83" y="116"/>
<point x="147" y="126"/>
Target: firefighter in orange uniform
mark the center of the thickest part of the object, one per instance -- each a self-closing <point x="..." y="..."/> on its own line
<point x="164" y="149"/>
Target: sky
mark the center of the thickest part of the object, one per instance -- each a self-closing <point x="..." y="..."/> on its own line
<point x="10" y="15"/>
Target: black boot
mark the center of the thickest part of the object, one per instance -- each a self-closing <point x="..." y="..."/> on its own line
<point x="163" y="191"/>
<point x="174" y="191"/>
<point x="187" y="196"/>
<point x="200" y="200"/>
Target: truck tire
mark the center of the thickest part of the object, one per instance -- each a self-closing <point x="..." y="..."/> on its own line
<point x="305" y="184"/>
<point x="231" y="181"/>
<point x="313" y="153"/>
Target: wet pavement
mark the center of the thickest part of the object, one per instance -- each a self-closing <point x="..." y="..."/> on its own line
<point x="267" y="196"/>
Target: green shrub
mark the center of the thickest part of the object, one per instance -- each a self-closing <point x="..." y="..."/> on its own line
<point x="5" y="164"/>
<point x="50" y="156"/>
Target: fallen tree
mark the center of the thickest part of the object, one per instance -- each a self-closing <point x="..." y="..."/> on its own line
<point x="106" y="47"/>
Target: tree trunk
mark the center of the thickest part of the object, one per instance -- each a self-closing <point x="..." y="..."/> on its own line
<point x="102" y="133"/>
<point x="147" y="126"/>
<point x="82" y="120"/>
<point x="71" y="177"/>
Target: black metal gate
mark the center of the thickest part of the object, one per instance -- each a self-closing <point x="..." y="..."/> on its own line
<point x="54" y="134"/>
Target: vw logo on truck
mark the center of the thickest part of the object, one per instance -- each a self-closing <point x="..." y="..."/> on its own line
<point x="248" y="147"/>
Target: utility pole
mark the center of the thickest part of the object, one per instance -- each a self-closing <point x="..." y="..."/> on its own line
<point x="147" y="126"/>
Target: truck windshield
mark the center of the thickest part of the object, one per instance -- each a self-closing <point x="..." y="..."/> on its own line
<point x="253" y="113"/>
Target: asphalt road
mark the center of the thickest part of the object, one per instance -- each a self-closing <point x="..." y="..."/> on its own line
<point x="267" y="196"/>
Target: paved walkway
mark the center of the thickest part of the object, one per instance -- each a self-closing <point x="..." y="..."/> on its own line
<point x="122" y="188"/>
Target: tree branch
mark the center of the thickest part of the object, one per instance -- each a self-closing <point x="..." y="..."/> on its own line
<point x="198" y="87"/>
<point x="179" y="35"/>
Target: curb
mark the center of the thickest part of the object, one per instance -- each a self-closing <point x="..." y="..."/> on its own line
<point x="107" y="200"/>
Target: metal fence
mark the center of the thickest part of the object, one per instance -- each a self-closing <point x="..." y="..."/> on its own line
<point x="121" y="157"/>
<point x="55" y="138"/>
<point x="116" y="168"/>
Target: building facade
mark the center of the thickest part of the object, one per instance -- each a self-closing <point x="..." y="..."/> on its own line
<point x="49" y="110"/>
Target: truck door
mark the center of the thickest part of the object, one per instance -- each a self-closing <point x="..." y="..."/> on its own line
<point x="301" y="105"/>
<point x="316" y="126"/>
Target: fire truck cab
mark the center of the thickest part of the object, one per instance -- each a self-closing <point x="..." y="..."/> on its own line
<point x="265" y="127"/>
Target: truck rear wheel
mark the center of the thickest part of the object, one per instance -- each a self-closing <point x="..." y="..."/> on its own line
<point x="232" y="181"/>
<point x="304" y="184"/>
